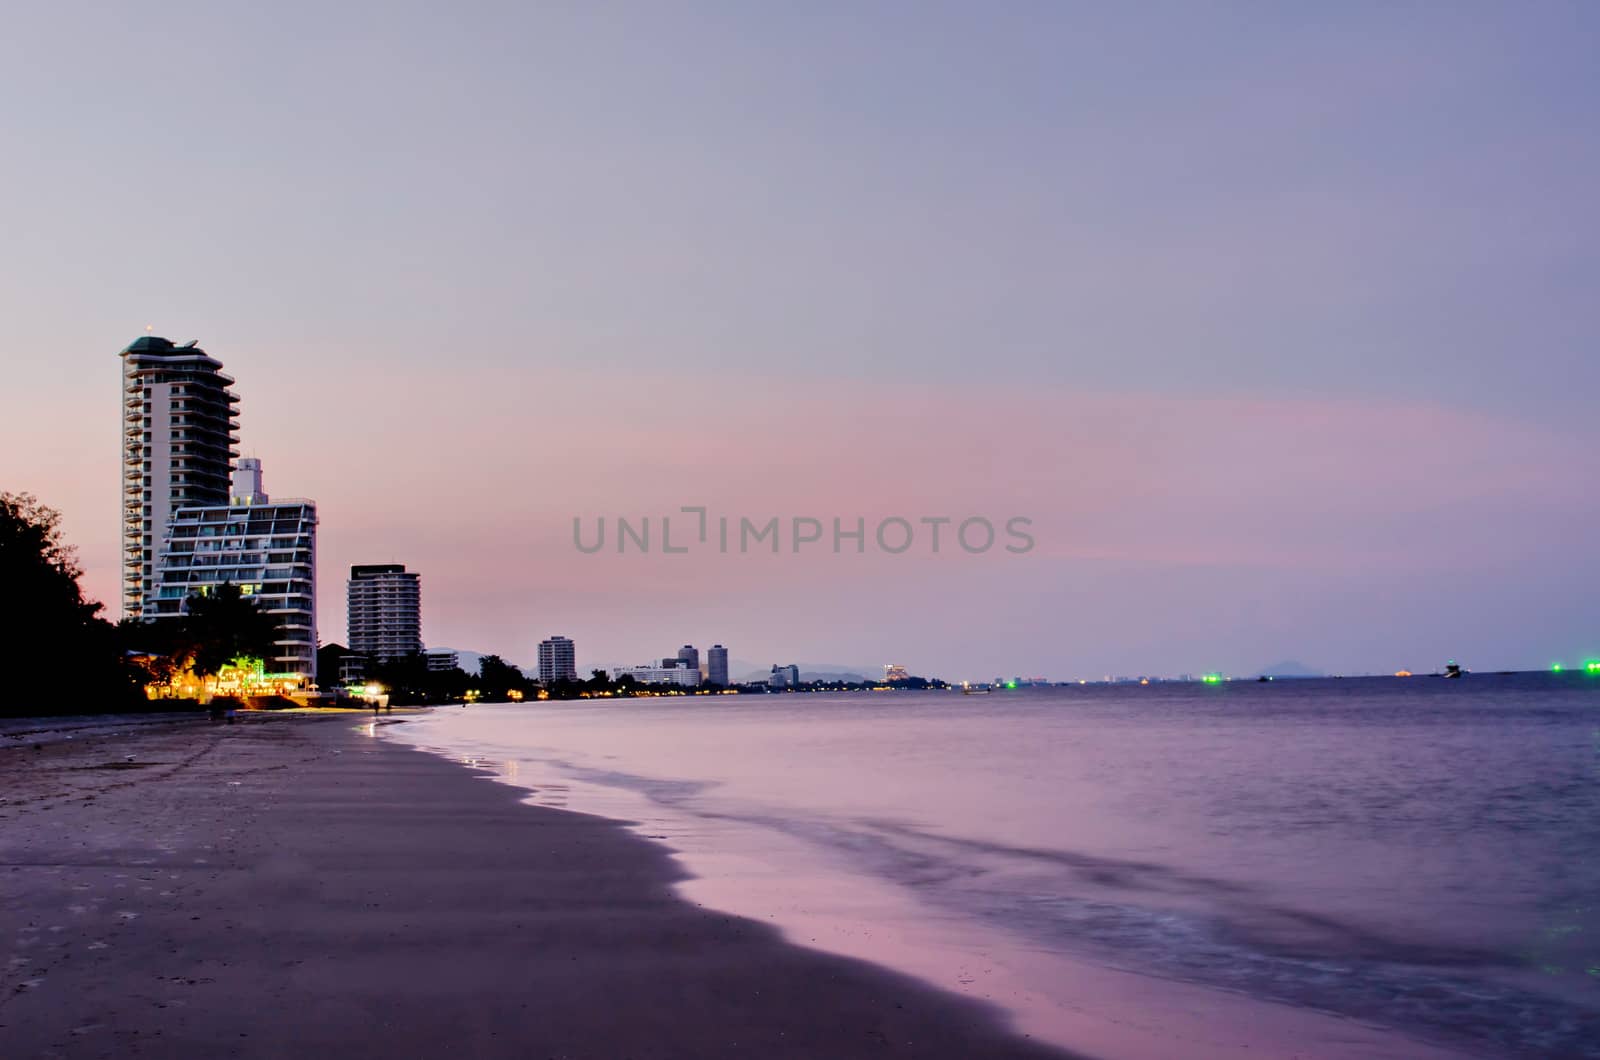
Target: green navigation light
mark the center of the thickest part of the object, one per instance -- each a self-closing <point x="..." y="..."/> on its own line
<point x="1212" y="679"/>
<point x="1593" y="666"/>
<point x="1555" y="668"/>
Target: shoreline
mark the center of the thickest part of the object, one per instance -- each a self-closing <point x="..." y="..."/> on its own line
<point x="765" y="874"/>
<point x="291" y="885"/>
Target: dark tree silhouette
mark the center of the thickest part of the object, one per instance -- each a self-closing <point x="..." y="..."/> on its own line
<point x="496" y="677"/>
<point x="225" y="625"/>
<point x="67" y="657"/>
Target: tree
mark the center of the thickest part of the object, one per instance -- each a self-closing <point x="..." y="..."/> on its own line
<point x="38" y="568"/>
<point x="225" y="625"/>
<point x="66" y="653"/>
<point x="330" y="660"/>
<point x="407" y="679"/>
<point x="496" y="677"/>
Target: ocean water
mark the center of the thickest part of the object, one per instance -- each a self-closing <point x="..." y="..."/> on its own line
<point x="1353" y="867"/>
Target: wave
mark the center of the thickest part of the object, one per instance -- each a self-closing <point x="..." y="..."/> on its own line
<point x="1161" y="920"/>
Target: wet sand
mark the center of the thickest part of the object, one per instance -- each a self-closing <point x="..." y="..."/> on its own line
<point x="289" y="886"/>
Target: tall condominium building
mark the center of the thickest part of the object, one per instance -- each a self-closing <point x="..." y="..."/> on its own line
<point x="558" y="660"/>
<point x="385" y="619"/>
<point x="178" y="424"/>
<point x="267" y="548"/>
<point x="717" y="665"/>
<point x="784" y="677"/>
<point x="689" y="656"/>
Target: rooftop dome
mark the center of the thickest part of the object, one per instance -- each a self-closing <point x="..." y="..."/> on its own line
<point x="158" y="345"/>
<point x="148" y="344"/>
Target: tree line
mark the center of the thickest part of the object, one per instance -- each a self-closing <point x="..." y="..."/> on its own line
<point x="67" y="658"/>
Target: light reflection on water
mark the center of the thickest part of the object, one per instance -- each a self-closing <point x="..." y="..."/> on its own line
<point x="1414" y="854"/>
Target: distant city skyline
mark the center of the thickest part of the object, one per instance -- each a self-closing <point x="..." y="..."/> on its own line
<point x="1282" y="335"/>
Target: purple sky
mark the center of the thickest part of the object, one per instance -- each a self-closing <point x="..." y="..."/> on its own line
<point x="1279" y="322"/>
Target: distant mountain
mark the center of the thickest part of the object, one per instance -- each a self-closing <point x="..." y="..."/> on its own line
<point x="468" y="660"/>
<point x="1290" y="669"/>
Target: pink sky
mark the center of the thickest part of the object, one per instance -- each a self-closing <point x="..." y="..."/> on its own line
<point x="1297" y="520"/>
<point x="1282" y="331"/>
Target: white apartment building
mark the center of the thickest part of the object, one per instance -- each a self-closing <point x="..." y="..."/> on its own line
<point x="178" y="424"/>
<point x="385" y="610"/>
<point x="558" y="660"/>
<point x="681" y="676"/>
<point x="267" y="548"/>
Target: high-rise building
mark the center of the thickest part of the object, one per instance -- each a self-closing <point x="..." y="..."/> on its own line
<point x="442" y="660"/>
<point x="689" y="656"/>
<point x="178" y="424"/>
<point x="717" y="665"/>
<point x="385" y="619"/>
<point x="784" y="677"/>
<point x="558" y="660"/>
<point x="267" y="548"/>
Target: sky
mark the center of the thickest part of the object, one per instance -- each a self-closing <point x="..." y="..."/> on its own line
<point x="1277" y="322"/>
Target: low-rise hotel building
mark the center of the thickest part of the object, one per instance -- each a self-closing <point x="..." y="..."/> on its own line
<point x="267" y="548"/>
<point x="679" y="675"/>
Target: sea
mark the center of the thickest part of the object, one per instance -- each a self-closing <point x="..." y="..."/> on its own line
<point x="1359" y="867"/>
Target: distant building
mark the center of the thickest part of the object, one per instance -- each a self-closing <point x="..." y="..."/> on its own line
<point x="689" y="656"/>
<point x="385" y="611"/>
<point x="442" y="660"/>
<point x="558" y="660"/>
<point x="352" y="669"/>
<point x="784" y="677"/>
<point x="331" y="659"/>
<point x="267" y="548"/>
<point x="892" y="672"/>
<point x="677" y="674"/>
<point x="178" y="424"/>
<point x="717" y="665"/>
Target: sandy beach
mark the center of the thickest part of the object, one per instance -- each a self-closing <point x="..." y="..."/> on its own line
<point x="293" y="886"/>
